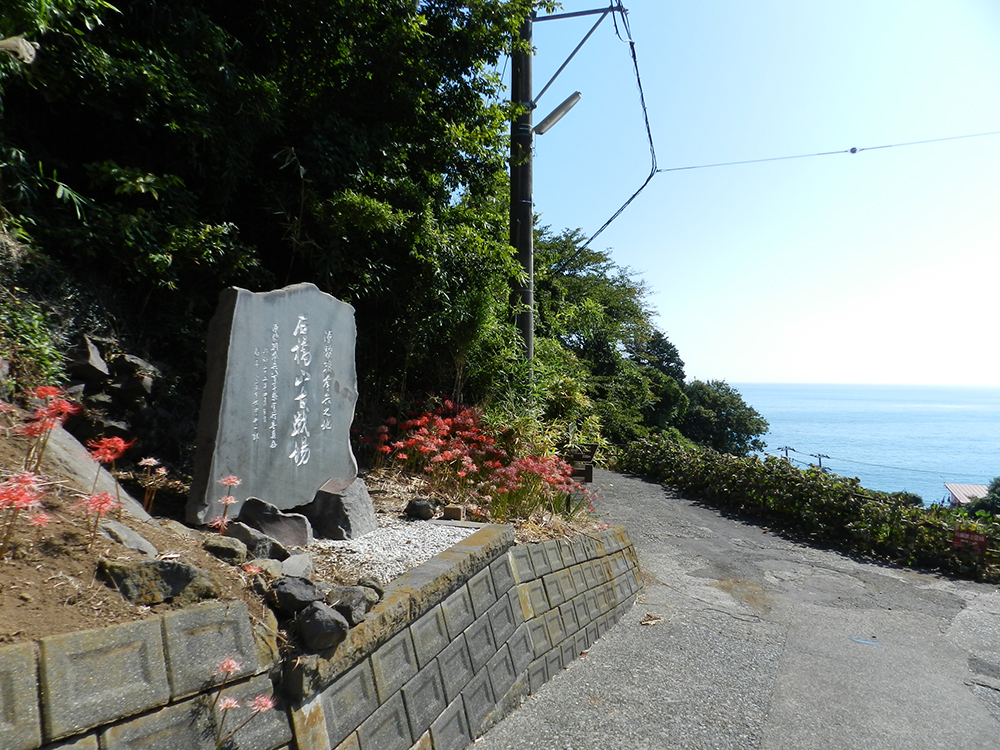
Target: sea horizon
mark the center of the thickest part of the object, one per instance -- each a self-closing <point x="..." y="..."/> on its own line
<point x="892" y="437"/>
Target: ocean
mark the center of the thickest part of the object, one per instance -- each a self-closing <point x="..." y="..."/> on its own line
<point x="893" y="438"/>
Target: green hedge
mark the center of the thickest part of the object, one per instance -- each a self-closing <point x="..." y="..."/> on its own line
<point x="820" y="507"/>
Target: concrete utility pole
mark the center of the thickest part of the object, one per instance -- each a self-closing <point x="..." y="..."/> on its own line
<point x="522" y="207"/>
<point x="521" y="203"/>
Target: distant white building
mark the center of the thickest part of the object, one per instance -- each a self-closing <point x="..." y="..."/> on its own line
<point x="962" y="494"/>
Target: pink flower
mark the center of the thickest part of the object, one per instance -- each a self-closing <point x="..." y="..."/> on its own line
<point x="161" y="471"/>
<point x="252" y="569"/>
<point x="219" y="522"/>
<point x="40" y="520"/>
<point x="262" y="703"/>
<point x="99" y="505"/>
<point x="228" y="666"/>
<point x="231" y="481"/>
<point x="149" y="462"/>
<point x="228" y="500"/>
<point x="227" y="703"/>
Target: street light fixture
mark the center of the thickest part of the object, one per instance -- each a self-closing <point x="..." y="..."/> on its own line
<point x="521" y="178"/>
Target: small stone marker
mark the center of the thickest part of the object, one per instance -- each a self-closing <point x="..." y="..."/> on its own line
<point x="279" y="399"/>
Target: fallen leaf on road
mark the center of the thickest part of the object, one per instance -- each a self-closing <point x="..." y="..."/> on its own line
<point x="650" y="619"/>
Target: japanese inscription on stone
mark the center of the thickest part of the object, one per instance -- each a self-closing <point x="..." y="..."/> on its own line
<point x="279" y="400"/>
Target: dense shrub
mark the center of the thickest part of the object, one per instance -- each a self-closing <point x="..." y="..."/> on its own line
<point x="821" y="507"/>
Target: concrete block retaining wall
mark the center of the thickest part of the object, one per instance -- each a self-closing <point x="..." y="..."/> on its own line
<point x="455" y="644"/>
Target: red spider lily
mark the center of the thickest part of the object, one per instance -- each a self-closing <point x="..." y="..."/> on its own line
<point x="231" y="481"/>
<point x="95" y="506"/>
<point x="108" y="450"/>
<point x="40" y="520"/>
<point x="227" y="703"/>
<point x="46" y="392"/>
<point x="219" y="522"/>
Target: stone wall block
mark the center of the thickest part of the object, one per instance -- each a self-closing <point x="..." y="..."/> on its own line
<point x="551" y="548"/>
<point x="515" y="606"/>
<point x="482" y="592"/>
<point x="502" y="620"/>
<point x="554" y="623"/>
<point x="93" y="677"/>
<point x="501" y="670"/>
<point x="579" y="580"/>
<point x="592" y="634"/>
<point x="430" y="636"/>
<point x="570" y="653"/>
<point x="580" y="606"/>
<point x="579" y="547"/>
<point x="456" y="668"/>
<point x="538" y="674"/>
<point x="198" y="638"/>
<point x="593" y="608"/>
<point x="538" y="599"/>
<point x="349" y="701"/>
<point x="20" y="717"/>
<point x="589" y="574"/>
<point x="450" y="731"/>
<point x="554" y="590"/>
<point x="479" y="701"/>
<point x="183" y="726"/>
<point x="86" y="742"/>
<point x="351" y="743"/>
<point x="566" y="552"/>
<point x="570" y="622"/>
<point x="309" y="725"/>
<point x="553" y="661"/>
<point x="268" y="730"/>
<point x="521" y="567"/>
<point x="387" y="728"/>
<point x="520" y="648"/>
<point x="424" y="699"/>
<point x="540" y="562"/>
<point x="482" y="646"/>
<point x="539" y="633"/>
<point x="581" y="642"/>
<point x="423" y="743"/>
<point x="393" y="665"/>
<point x="503" y="575"/>
<point x="458" y="613"/>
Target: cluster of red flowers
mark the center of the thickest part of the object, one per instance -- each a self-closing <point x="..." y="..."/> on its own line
<point x="452" y="446"/>
<point x="54" y="410"/>
<point x="20" y="494"/>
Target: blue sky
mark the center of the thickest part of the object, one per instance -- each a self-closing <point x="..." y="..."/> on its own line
<point x="877" y="267"/>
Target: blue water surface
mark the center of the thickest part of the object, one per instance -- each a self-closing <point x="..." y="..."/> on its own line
<point x="912" y="438"/>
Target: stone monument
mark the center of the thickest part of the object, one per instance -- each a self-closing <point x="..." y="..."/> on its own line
<point x="278" y="402"/>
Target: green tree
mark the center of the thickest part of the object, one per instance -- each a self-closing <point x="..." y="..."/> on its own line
<point x="990" y="503"/>
<point x="718" y="417"/>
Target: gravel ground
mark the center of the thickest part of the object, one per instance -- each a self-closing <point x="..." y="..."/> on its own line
<point x="398" y="545"/>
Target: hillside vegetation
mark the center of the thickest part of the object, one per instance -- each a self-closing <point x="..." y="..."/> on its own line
<point x="157" y="152"/>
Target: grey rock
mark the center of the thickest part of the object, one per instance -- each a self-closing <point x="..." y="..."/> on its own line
<point x="88" y="363"/>
<point x="350" y="601"/>
<point x="291" y="594"/>
<point x="279" y="399"/>
<point x="179" y="529"/>
<point x="155" y="581"/>
<point x="347" y="513"/>
<point x="129" y="364"/>
<point x="371" y="583"/>
<point x="119" y="532"/>
<point x="321" y="627"/>
<point x="270" y="568"/>
<point x="258" y="544"/>
<point x="227" y="548"/>
<point x="420" y="507"/>
<point x="291" y="529"/>
<point x="297" y="566"/>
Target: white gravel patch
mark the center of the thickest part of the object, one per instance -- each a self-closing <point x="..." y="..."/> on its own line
<point x="388" y="552"/>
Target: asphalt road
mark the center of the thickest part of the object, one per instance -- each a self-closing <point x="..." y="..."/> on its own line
<point x="766" y="643"/>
